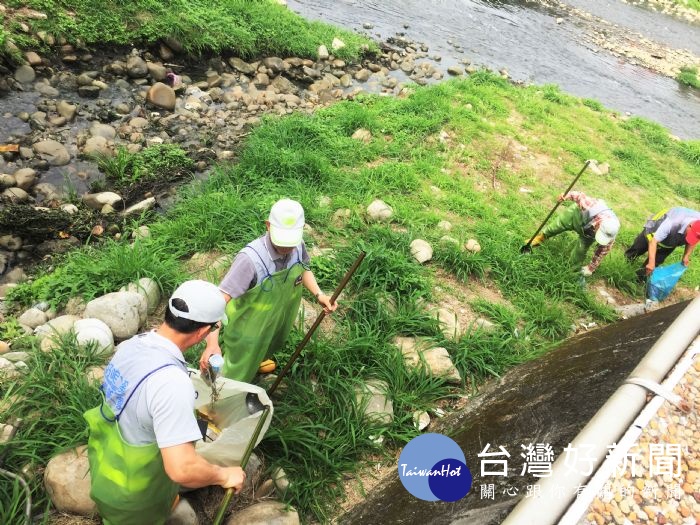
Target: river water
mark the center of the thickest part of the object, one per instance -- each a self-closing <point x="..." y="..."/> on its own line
<point x="547" y="401"/>
<point x="525" y="38"/>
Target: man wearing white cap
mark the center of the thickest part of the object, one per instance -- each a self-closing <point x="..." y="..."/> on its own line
<point x="592" y="220"/>
<point x="263" y="290"/>
<point x="141" y="445"/>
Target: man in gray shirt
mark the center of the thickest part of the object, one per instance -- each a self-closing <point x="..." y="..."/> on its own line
<point x="263" y="292"/>
<point x="141" y="446"/>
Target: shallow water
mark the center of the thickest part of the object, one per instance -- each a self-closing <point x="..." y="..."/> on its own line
<point x="525" y="38"/>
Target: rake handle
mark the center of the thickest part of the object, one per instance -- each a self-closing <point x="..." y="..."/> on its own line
<point x="320" y="318"/>
<point x="556" y="205"/>
<point x="244" y="462"/>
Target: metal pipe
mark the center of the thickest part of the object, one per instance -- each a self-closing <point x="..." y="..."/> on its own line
<point x="608" y="425"/>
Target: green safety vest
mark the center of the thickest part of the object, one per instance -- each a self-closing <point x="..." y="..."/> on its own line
<point x="259" y="322"/>
<point x="128" y="482"/>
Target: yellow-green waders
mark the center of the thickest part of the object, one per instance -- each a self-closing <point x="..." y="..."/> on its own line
<point x="129" y="483"/>
<point x="259" y="322"/>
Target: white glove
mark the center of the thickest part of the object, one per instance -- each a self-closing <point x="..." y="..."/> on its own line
<point x="586" y="271"/>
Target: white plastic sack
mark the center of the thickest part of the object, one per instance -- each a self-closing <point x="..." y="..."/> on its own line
<point x="229" y="414"/>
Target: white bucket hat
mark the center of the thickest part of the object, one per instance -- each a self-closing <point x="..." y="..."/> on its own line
<point x="205" y="303"/>
<point x="607" y="231"/>
<point x="286" y="223"/>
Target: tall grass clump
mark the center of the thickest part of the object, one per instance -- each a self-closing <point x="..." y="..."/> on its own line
<point x="48" y="401"/>
<point x="160" y="162"/>
<point x="93" y="271"/>
<point x="689" y="77"/>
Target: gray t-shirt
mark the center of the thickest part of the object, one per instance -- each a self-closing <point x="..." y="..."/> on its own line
<point x="241" y="276"/>
<point x="677" y="221"/>
<point x="161" y="408"/>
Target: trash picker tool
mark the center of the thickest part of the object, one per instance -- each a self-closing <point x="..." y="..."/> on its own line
<point x="320" y="318"/>
<point x="526" y="248"/>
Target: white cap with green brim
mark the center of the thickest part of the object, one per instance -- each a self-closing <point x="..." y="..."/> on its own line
<point x="286" y="223"/>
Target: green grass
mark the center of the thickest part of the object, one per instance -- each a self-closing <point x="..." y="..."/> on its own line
<point x="472" y="180"/>
<point x="50" y="400"/>
<point x="689" y="77"/>
<point x="245" y="28"/>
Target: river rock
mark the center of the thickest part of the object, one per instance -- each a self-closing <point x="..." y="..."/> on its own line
<point x="16" y="357"/>
<point x="183" y="514"/>
<point x="4" y="347"/>
<point x="7" y="181"/>
<point x="265" y="513"/>
<point x="241" y="66"/>
<point x="7" y="369"/>
<point x="323" y="52"/>
<point x="16" y="194"/>
<point x="436" y="360"/>
<point x="66" y="110"/>
<point x="373" y="396"/>
<point x="362" y="75"/>
<point x="140" y="207"/>
<point x="337" y="44"/>
<point x="148" y="289"/>
<point x="455" y="71"/>
<point x="283" y="85"/>
<point x="97" y="145"/>
<point x="58" y="326"/>
<point x="94" y="331"/>
<point x="97" y="129"/>
<point x="53" y="152"/>
<point x="67" y="482"/>
<point x="11" y="242"/>
<point x="274" y="64"/>
<point x="363" y="135"/>
<point x="33" y="318"/>
<point x="162" y="96"/>
<point x="379" y="211"/>
<point x="473" y="246"/>
<point x="123" y="312"/>
<point x="630" y="310"/>
<point x="96" y="201"/>
<point x="421" y="250"/>
<point x="25" y="74"/>
<point x="25" y="178"/>
<point x="445" y="225"/>
<point x="449" y="324"/>
<point x="421" y="419"/>
<point x="157" y="72"/>
<point x="46" y="89"/>
<point x="136" y="67"/>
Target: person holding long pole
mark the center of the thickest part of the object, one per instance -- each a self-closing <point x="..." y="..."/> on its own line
<point x="591" y="219"/>
<point x="263" y="291"/>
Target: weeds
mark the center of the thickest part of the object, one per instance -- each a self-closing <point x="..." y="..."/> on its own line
<point x="161" y="162"/>
<point x="689" y="77"/>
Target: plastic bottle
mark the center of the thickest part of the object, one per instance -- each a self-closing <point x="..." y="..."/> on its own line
<point x="215" y="363"/>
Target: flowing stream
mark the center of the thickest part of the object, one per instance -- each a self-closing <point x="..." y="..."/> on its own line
<point x="525" y="38"/>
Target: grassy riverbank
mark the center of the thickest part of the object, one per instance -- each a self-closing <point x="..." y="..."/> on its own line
<point x="245" y="28"/>
<point x="486" y="156"/>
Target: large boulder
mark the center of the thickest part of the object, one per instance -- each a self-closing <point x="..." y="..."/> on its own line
<point x="67" y="482"/>
<point x="58" y="326"/>
<point x="123" y="312"/>
<point x="265" y="513"/>
<point x="95" y="331"/>
<point x="147" y="288"/>
<point x="33" y="317"/>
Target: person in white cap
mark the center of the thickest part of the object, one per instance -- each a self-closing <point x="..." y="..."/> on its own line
<point x="592" y="220"/>
<point x="141" y="444"/>
<point x="263" y="290"/>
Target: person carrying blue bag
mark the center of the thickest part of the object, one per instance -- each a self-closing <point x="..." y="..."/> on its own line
<point x="663" y="280"/>
<point x="662" y="234"/>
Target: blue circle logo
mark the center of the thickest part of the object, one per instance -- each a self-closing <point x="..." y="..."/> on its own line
<point x="432" y="467"/>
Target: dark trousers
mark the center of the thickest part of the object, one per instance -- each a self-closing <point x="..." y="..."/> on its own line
<point x="641" y="246"/>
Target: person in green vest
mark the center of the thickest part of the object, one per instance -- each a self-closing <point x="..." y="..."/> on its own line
<point x="263" y="290"/>
<point x="141" y="444"/>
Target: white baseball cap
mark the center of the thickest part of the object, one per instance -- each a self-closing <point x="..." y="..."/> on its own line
<point x="205" y="303"/>
<point x="286" y="223"/>
<point x="607" y="231"/>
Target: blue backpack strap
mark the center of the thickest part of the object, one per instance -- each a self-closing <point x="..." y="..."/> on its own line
<point x="116" y="418"/>
<point x="259" y="276"/>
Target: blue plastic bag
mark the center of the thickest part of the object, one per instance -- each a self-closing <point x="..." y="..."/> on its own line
<point x="663" y="280"/>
